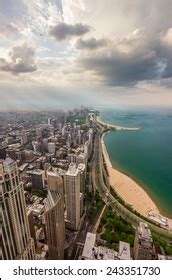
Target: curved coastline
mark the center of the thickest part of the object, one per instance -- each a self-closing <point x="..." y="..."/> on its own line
<point x="128" y="188"/>
<point x="131" y="191"/>
<point x="116" y="127"/>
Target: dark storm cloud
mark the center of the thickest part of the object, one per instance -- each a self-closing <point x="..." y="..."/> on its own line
<point x="90" y="44"/>
<point x="21" y="60"/>
<point x="135" y="58"/>
<point x="63" y="31"/>
<point x="118" y="69"/>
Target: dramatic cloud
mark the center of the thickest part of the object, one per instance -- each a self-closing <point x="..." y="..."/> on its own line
<point x="132" y="59"/>
<point x="21" y="60"/>
<point x="90" y="44"/>
<point x="118" y="69"/>
<point x="112" y="45"/>
<point x="119" y="18"/>
<point x="63" y="31"/>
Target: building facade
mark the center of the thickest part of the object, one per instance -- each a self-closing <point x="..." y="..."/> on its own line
<point x="37" y="177"/>
<point x="54" y="217"/>
<point x="16" y="239"/>
<point x="143" y="243"/>
<point x="72" y="196"/>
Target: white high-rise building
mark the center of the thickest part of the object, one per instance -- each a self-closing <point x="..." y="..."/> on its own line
<point x="72" y="192"/>
<point x="16" y="239"/>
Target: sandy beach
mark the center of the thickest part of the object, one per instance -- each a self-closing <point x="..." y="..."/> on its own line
<point x="128" y="189"/>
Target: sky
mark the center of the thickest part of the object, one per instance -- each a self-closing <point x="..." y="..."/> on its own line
<point x="56" y="53"/>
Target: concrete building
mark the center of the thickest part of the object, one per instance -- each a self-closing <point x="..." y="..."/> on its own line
<point x="37" y="178"/>
<point x="51" y="147"/>
<point x="72" y="158"/>
<point x="2" y="152"/>
<point x="143" y="244"/>
<point x="93" y="252"/>
<point x="81" y="158"/>
<point x="11" y="152"/>
<point x="55" y="179"/>
<point x="82" y="169"/>
<point x="88" y="251"/>
<point x="81" y="204"/>
<point x="72" y="193"/>
<point x="87" y="148"/>
<point x="54" y="217"/>
<point x="124" y="251"/>
<point x="31" y="226"/>
<point x="28" y="155"/>
<point x="23" y="138"/>
<point x="69" y="141"/>
<point x="16" y="239"/>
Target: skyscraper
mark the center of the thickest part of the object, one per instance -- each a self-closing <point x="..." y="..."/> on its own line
<point x="82" y="169"/>
<point x="16" y="239"/>
<point x="143" y="244"/>
<point x="72" y="192"/>
<point x="54" y="216"/>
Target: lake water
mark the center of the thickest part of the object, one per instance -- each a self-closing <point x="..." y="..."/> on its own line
<point x="145" y="155"/>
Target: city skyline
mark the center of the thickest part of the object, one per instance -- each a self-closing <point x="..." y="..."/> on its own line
<point x="58" y="53"/>
<point x="85" y="133"/>
<point x="60" y="193"/>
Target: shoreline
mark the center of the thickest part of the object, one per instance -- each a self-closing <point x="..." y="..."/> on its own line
<point x="131" y="191"/>
<point x="116" y="127"/>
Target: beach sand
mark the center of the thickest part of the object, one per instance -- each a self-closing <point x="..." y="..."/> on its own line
<point x="128" y="189"/>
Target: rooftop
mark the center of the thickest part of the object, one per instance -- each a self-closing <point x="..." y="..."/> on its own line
<point x="36" y="172"/>
<point x="93" y="252"/>
<point x="104" y="253"/>
<point x="124" y="251"/>
<point x="81" y="166"/>
<point x="52" y="171"/>
<point x="144" y="231"/>
<point x="73" y="170"/>
<point x="89" y="245"/>
<point x="8" y="161"/>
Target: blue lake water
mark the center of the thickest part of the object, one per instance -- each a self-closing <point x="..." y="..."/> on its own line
<point x="145" y="155"/>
